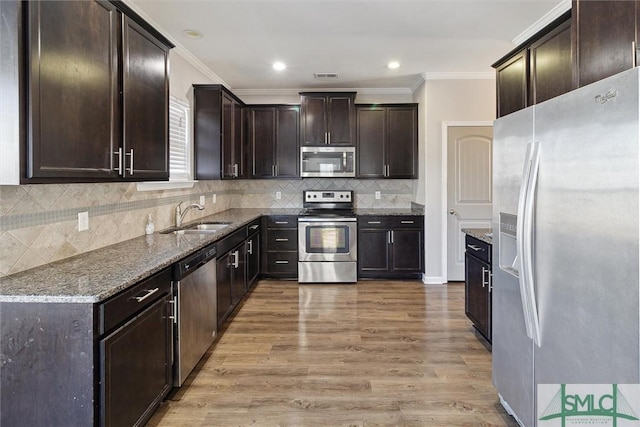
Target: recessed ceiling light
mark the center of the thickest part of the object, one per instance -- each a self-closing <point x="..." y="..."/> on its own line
<point x="192" y="34"/>
<point x="393" y="65"/>
<point x="279" y="66"/>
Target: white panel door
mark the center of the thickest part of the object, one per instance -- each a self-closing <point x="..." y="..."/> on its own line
<point x="468" y="189"/>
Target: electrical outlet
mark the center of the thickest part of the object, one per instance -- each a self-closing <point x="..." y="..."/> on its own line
<point x="377" y="195"/>
<point x="83" y="221"/>
<point x="202" y="200"/>
<point x="214" y="199"/>
<point x="278" y="195"/>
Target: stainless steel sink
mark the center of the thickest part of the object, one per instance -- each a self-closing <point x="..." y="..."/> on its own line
<point x="205" y="228"/>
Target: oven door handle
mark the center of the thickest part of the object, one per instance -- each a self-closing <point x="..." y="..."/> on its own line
<point x="327" y="220"/>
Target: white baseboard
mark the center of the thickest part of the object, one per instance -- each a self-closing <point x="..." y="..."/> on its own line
<point x="436" y="280"/>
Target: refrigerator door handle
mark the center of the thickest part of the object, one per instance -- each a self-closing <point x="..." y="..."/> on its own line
<point x="524" y="237"/>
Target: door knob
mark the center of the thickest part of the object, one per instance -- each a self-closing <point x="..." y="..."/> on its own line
<point x="453" y="212"/>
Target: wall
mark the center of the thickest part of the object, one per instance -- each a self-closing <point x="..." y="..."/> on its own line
<point x="445" y="101"/>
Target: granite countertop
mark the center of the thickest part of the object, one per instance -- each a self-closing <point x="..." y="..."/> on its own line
<point x="480" y="234"/>
<point x="97" y="275"/>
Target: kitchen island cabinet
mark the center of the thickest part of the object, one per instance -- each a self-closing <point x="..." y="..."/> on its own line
<point x="478" y="281"/>
<point x="97" y="94"/>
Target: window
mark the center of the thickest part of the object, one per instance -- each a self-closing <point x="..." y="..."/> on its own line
<point x="179" y="147"/>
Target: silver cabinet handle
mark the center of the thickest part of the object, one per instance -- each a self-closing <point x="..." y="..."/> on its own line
<point x="130" y="154"/>
<point x="273" y="170"/>
<point x="253" y="227"/>
<point x="406" y="222"/>
<point x="119" y="154"/>
<point x="147" y="295"/>
<point x="475" y="248"/>
<point x="282" y="240"/>
<point x="374" y="222"/>
<point x="282" y="262"/>
<point x="391" y="237"/>
<point x="486" y="282"/>
<point x="277" y="170"/>
<point x="235" y="170"/>
<point x="250" y="247"/>
<point x="388" y="237"/>
<point x="282" y="222"/>
<point x="236" y="259"/>
<point x="174" y="304"/>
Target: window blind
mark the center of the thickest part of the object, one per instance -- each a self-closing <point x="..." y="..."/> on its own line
<point x="179" y="147"/>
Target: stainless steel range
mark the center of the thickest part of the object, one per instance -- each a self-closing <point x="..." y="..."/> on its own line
<point x="327" y="238"/>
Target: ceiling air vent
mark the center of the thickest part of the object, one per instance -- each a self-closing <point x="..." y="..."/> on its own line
<point x="325" y="75"/>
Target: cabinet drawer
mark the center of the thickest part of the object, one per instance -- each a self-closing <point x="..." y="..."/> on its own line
<point x="391" y="221"/>
<point x="282" y="262"/>
<point x="133" y="300"/>
<point x="478" y="249"/>
<point x="374" y="222"/>
<point x="282" y="240"/>
<point x="282" y="221"/>
<point x="407" y="221"/>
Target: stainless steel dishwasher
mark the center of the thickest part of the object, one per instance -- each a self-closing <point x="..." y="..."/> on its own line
<point x="194" y="290"/>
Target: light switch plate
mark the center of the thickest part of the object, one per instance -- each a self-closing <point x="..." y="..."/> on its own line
<point x="214" y="199"/>
<point x="202" y="200"/>
<point x="83" y="221"/>
<point x="278" y="195"/>
<point x="377" y="195"/>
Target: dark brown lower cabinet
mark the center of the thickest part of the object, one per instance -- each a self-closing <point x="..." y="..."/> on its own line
<point x="252" y="251"/>
<point x="231" y="273"/>
<point x="478" y="285"/>
<point x="390" y="247"/>
<point x="136" y="372"/>
<point x="280" y="247"/>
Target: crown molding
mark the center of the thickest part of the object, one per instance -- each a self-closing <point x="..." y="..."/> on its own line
<point x="477" y="75"/>
<point x="548" y="18"/>
<point x="179" y="48"/>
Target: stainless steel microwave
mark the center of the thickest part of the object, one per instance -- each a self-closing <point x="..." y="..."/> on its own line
<point x="330" y="162"/>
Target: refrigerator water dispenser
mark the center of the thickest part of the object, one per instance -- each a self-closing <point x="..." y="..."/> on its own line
<point x="508" y="252"/>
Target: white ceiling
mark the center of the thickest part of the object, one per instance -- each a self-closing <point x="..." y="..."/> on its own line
<point x="355" y="38"/>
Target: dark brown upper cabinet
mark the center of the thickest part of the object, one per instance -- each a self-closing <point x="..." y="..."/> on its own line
<point x="537" y="70"/>
<point x="273" y="139"/>
<point x="218" y="133"/>
<point x="605" y="38"/>
<point x="551" y="64"/>
<point x="387" y="141"/>
<point x="327" y="118"/>
<point x="96" y="93"/>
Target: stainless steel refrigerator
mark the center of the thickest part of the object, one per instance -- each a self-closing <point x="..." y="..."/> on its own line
<point x="565" y="262"/>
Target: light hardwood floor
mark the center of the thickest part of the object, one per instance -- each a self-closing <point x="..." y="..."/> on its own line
<point x="379" y="353"/>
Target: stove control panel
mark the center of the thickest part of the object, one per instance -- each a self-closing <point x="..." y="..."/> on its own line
<point x="313" y="196"/>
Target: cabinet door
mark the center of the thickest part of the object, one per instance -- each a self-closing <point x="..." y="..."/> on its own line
<point x="340" y="120"/>
<point x="511" y="83"/>
<point x="551" y="64"/>
<point x="207" y="129"/>
<point x="223" y="280"/>
<point x="238" y="141"/>
<point x="136" y="371"/>
<point x="402" y="142"/>
<point x="253" y="259"/>
<point x="477" y="295"/>
<point x="407" y="254"/>
<point x="238" y="273"/>
<point x="261" y="128"/>
<point x="370" y="136"/>
<point x="373" y="251"/>
<point x="287" y="142"/>
<point x="605" y="31"/>
<point x="227" y="161"/>
<point x="73" y="90"/>
<point x="314" y="120"/>
<point x="146" y="104"/>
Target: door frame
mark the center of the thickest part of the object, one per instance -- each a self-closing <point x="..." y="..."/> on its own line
<point x="445" y="184"/>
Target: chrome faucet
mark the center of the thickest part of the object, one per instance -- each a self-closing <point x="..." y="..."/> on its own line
<point x="180" y="213"/>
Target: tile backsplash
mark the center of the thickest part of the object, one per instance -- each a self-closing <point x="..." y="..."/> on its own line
<point x="38" y="223"/>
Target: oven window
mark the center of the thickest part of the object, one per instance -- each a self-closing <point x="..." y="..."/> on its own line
<point x="332" y="239"/>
